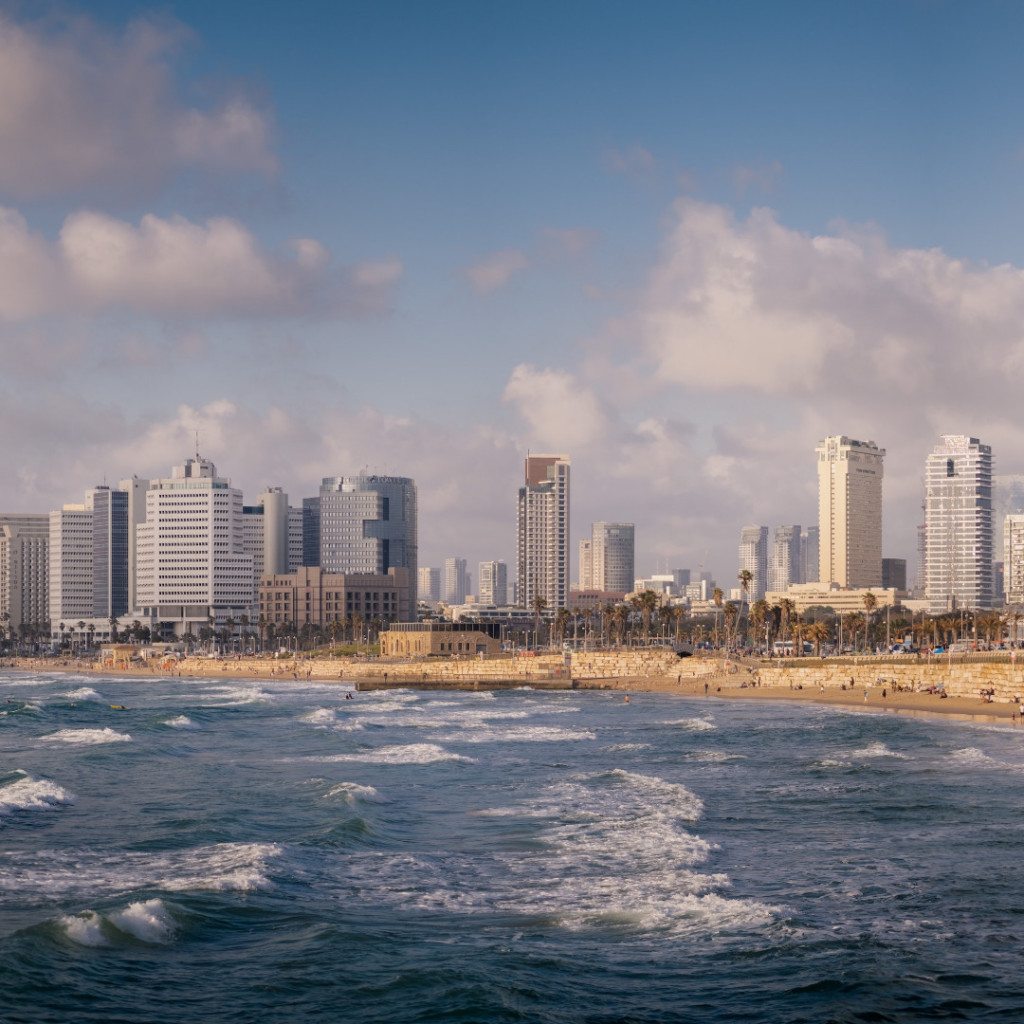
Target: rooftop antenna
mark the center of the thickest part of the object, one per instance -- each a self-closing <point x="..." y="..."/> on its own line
<point x="197" y="446"/>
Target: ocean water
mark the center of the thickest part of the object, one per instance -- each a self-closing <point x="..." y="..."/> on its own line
<point x="236" y="851"/>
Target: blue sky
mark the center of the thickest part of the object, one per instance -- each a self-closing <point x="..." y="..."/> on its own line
<point x="680" y="242"/>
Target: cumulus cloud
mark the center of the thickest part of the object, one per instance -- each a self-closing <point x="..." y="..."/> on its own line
<point x="83" y="107"/>
<point x="559" y="410"/>
<point x="496" y="270"/>
<point x="175" y="267"/>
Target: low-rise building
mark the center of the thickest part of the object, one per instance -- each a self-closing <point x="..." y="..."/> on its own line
<point x="821" y="595"/>
<point x="311" y="595"/>
<point x="440" y="639"/>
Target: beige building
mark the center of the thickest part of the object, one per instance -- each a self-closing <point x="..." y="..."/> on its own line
<point x="542" y="547"/>
<point x="820" y="595"/>
<point x="24" y="570"/>
<point x="311" y="595"/>
<point x="850" y="512"/>
<point x="440" y="639"/>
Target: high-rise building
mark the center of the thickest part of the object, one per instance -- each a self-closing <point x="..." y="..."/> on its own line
<point x="958" y="518"/>
<point x="456" y="581"/>
<point x="136" y="489"/>
<point x="586" y="565"/>
<point x="1013" y="557"/>
<point x="850" y="512"/>
<point x="809" y="556"/>
<point x="542" y="541"/>
<point x="24" y="570"/>
<point x="272" y="533"/>
<point x="753" y="558"/>
<point x="921" y="579"/>
<point x="430" y="585"/>
<point x="367" y="524"/>
<point x="784" y="558"/>
<point x="109" y="551"/>
<point x="493" y="584"/>
<point x="296" y="539"/>
<point x="612" y="555"/>
<point x="894" y="574"/>
<point x="311" y="531"/>
<point x="190" y="551"/>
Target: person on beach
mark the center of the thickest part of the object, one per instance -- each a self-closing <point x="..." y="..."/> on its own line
<point x="865" y="695"/>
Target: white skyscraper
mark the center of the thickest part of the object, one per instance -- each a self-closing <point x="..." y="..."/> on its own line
<point x="850" y="512"/>
<point x="493" y="583"/>
<point x="542" y="540"/>
<point x="612" y="548"/>
<point x="430" y="584"/>
<point x="190" y="551"/>
<point x="586" y="564"/>
<point x="753" y="557"/>
<point x="958" y="519"/>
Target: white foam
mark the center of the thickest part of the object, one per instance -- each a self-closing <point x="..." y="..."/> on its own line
<point x="85" y="929"/>
<point x="524" y="734"/>
<point x="411" y="753"/>
<point x="321" y="717"/>
<point x="878" y="750"/>
<point x="83" y="693"/>
<point x="713" y="756"/>
<point x="181" y="722"/>
<point x="89" y="736"/>
<point x="694" y="724"/>
<point x="974" y="758"/>
<point x="89" y="873"/>
<point x="149" y="921"/>
<point x="350" y="792"/>
<point x="28" y="794"/>
<point x="626" y="747"/>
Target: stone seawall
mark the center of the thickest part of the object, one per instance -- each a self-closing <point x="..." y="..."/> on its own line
<point x="958" y="680"/>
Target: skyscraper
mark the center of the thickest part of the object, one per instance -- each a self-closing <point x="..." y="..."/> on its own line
<point x="958" y="519"/>
<point x="809" y="557"/>
<point x="24" y="570"/>
<point x="1013" y="557"/>
<point x="542" y="542"/>
<point x="784" y="558"/>
<point x="367" y="524"/>
<point x="850" y="512"/>
<point x="586" y="564"/>
<point x="493" y="584"/>
<point x="429" y="584"/>
<point x="190" y="551"/>
<point x="456" y="581"/>
<point x="753" y="558"/>
<point x="612" y="555"/>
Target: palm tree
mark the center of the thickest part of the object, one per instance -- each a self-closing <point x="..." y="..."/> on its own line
<point x="730" y="611"/>
<point x="562" y="619"/>
<point x="716" y="596"/>
<point x="539" y="604"/>
<point x="621" y="618"/>
<point x="648" y="603"/>
<point x="818" y="633"/>
<point x="853" y="623"/>
<point x="870" y="604"/>
<point x="746" y="577"/>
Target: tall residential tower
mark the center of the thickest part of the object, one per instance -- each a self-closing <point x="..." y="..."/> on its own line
<point x="542" y="542"/>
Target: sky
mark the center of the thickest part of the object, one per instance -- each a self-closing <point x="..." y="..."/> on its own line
<point x="679" y="242"/>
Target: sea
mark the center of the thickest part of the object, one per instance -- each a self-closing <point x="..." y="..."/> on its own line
<point x="234" y="850"/>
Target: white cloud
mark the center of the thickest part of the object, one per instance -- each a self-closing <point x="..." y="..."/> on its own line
<point x="177" y="268"/>
<point x="84" y="108"/>
<point x="496" y="270"/>
<point x="561" y="413"/>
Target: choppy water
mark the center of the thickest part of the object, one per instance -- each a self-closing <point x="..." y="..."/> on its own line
<point x="229" y="851"/>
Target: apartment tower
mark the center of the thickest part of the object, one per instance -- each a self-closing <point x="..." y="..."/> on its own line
<point x="850" y="512"/>
<point x="958" y="519"/>
<point x="542" y="542"/>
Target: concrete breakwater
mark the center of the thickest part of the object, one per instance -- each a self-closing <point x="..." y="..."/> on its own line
<point x="968" y="679"/>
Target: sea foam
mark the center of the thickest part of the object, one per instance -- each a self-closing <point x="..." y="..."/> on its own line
<point x="411" y="753"/>
<point x="149" y="921"/>
<point x="29" y="794"/>
<point x="89" y="736"/>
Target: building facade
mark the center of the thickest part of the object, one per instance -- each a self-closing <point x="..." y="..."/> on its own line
<point x="429" y="585"/>
<point x="312" y="596"/>
<point x="958" y="518"/>
<point x="190" y="551"/>
<point x="784" y="558"/>
<point x="441" y="639"/>
<point x="24" y="571"/>
<point x="612" y="555"/>
<point x="753" y="558"/>
<point x="809" y="555"/>
<point x="456" y="581"/>
<point x="492" y="584"/>
<point x="367" y="525"/>
<point x="542" y="540"/>
<point x="1013" y="558"/>
<point x="850" y="512"/>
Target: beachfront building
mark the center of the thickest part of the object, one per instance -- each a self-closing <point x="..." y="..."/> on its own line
<point x="367" y="525"/>
<point x="753" y="558"/>
<point x="840" y="600"/>
<point x="24" y="571"/>
<point x="312" y="596"/>
<point x="191" y="563"/>
<point x="492" y="584"/>
<point x="850" y="512"/>
<point x="440" y="639"/>
<point x="958" y="519"/>
<point x="272" y="535"/>
<point x="542" y="540"/>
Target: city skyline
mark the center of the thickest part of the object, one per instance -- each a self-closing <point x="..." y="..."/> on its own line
<point x="658" y="250"/>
